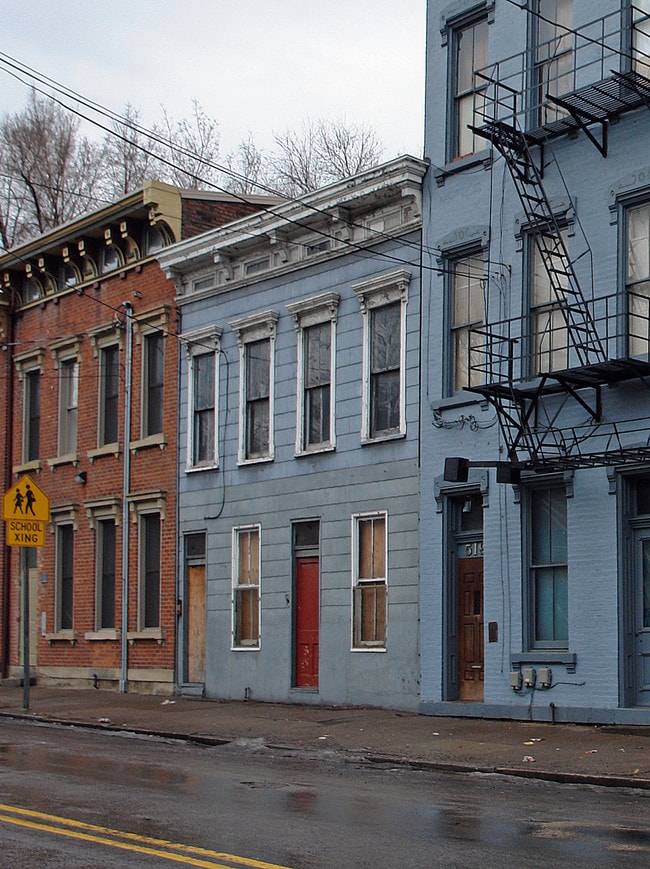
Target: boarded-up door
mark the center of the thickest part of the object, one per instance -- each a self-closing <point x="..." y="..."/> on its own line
<point x="196" y="623"/>
<point x="470" y="629"/>
<point x="306" y="622"/>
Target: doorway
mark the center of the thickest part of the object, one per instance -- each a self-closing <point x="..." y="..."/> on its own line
<point x="195" y="609"/>
<point x="306" y="605"/>
<point x="465" y="641"/>
<point x="642" y="616"/>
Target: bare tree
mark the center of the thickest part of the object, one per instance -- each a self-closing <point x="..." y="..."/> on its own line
<point x="130" y="154"/>
<point x="191" y="149"/>
<point x="247" y="171"/>
<point x="51" y="173"/>
<point x="322" y="152"/>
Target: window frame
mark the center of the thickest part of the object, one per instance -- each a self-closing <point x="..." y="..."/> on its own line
<point x="251" y="330"/>
<point x="549" y="55"/>
<point x="201" y="343"/>
<point x="31" y="396"/>
<point x="551" y="309"/>
<point x="61" y="624"/>
<point x="316" y="311"/>
<point x="635" y="303"/>
<point x="372" y="294"/>
<point x="237" y="643"/>
<point x="108" y="411"/>
<point x="533" y="569"/>
<point x="359" y="583"/>
<point x="454" y="33"/>
<point x="144" y="591"/>
<point x="142" y="505"/>
<point x="101" y="574"/>
<point x="453" y="386"/>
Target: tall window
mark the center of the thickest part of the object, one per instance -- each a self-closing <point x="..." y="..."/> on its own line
<point x="68" y="405"/>
<point x="369" y="601"/>
<point x="203" y="409"/>
<point x="637" y="282"/>
<point x="554" y="58"/>
<point x="109" y="385"/>
<point x="548" y="567"/>
<point x="64" y="577"/>
<point x="641" y="37"/>
<point x="315" y="321"/>
<point x="467" y="314"/>
<point x="105" y="567"/>
<point x="383" y="305"/>
<point x="32" y="416"/>
<point x="550" y="338"/>
<point x="149" y="608"/>
<point x="154" y="358"/>
<point x="470" y="53"/>
<point x="246" y="587"/>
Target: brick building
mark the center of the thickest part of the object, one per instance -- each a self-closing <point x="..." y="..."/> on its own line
<point x="93" y="354"/>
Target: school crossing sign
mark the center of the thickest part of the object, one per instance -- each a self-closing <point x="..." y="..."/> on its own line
<point x="26" y="510"/>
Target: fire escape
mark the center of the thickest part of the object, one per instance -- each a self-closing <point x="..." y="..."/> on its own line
<point x="522" y="111"/>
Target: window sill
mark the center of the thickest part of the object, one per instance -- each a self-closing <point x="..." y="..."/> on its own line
<point x="62" y="637"/>
<point x="36" y="465"/>
<point x="258" y="461"/>
<point x="364" y="649"/>
<point x="460" y="399"/>
<point x="196" y="469"/>
<point x="103" y="634"/>
<point x="315" y="451"/>
<point x="157" y="440"/>
<point x="251" y="648"/>
<point x="484" y="158"/>
<point x="107" y="450"/>
<point x="381" y="439"/>
<point x="146" y="634"/>
<point x="69" y="459"/>
<point x="558" y="657"/>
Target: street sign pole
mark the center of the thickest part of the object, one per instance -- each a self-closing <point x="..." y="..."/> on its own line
<point x="26" y="673"/>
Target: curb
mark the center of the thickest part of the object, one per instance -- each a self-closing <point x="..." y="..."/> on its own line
<point x="612" y="781"/>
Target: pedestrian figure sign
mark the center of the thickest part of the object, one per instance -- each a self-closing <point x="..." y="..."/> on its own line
<point x="25" y="509"/>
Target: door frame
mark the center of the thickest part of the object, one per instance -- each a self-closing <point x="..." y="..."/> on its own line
<point x="195" y="560"/>
<point x="299" y="551"/>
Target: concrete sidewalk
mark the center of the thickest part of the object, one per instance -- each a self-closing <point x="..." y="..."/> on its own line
<point x="607" y="755"/>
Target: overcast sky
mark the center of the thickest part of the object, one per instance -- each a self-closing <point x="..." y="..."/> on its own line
<point x="255" y="65"/>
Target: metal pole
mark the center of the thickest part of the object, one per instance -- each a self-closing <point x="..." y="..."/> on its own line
<point x="26" y="674"/>
<point x="128" y="367"/>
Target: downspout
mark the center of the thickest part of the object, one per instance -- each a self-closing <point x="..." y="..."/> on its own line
<point x="126" y="482"/>
<point x="180" y="640"/>
<point x="9" y="440"/>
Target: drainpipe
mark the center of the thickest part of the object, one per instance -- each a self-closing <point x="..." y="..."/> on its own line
<point x="126" y="482"/>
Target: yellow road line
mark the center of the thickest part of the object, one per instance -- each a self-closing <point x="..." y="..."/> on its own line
<point x="132" y="841"/>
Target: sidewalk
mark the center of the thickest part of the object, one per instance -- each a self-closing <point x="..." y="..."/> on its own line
<point x="608" y="755"/>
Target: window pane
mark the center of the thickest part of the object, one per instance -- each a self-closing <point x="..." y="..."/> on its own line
<point x="69" y="396"/>
<point x="549" y="575"/>
<point x="32" y="415"/>
<point x="370" y="614"/>
<point x="154" y="383"/>
<point x="258" y="369"/>
<point x="247" y="616"/>
<point x="110" y="390"/>
<point x="107" y="573"/>
<point x="385" y="358"/>
<point x="66" y="566"/>
<point x="317" y="354"/>
<point x="203" y="368"/>
<point x="258" y="374"/>
<point x="151" y="563"/>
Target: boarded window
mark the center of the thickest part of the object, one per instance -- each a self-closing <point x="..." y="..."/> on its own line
<point x="246" y="598"/>
<point x="369" y="595"/>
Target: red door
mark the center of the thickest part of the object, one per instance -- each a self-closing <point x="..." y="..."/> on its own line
<point x="470" y="629"/>
<point x="307" y="613"/>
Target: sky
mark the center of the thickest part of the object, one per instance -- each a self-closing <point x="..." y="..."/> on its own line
<point x="258" y="66"/>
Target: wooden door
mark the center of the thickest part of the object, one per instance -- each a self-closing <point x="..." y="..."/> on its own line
<point x="196" y="623"/>
<point x="470" y="629"/>
<point x="307" y="611"/>
<point x="642" y="618"/>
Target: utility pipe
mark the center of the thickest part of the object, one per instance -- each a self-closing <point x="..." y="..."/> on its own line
<point x="126" y="482"/>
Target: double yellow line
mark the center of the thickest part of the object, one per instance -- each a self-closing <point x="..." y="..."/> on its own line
<point x="174" y="851"/>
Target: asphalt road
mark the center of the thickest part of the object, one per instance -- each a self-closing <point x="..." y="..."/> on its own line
<point x="75" y="798"/>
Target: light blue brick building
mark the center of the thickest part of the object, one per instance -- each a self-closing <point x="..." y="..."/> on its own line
<point x="535" y="591"/>
<point x="299" y="447"/>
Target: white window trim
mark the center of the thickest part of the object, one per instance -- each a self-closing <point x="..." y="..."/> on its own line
<point x="312" y="312"/>
<point x="66" y="350"/>
<point x="200" y="343"/>
<point x="26" y="363"/>
<point x="234" y="573"/>
<point x="375" y="293"/>
<point x="356" y="517"/>
<point x="248" y="329"/>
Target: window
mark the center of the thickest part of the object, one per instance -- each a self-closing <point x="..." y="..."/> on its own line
<point x="246" y="587"/>
<point x="548" y="313"/>
<point x="469" y="54"/>
<point x="154" y="358"/>
<point x="110" y="258"/>
<point x="554" y="60"/>
<point x="32" y="415"/>
<point x="68" y="405"/>
<point x="369" y="601"/>
<point x="548" y="573"/>
<point x="641" y="37"/>
<point x="637" y="282"/>
<point x="109" y="385"/>
<point x="315" y="321"/>
<point x="149" y="598"/>
<point x="64" y="576"/>
<point x="203" y="376"/>
<point x="105" y="567"/>
<point x="256" y="339"/>
<point x="467" y="278"/>
<point x="383" y="306"/>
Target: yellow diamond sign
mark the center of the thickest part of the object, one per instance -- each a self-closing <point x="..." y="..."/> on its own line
<point x="25" y="509"/>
